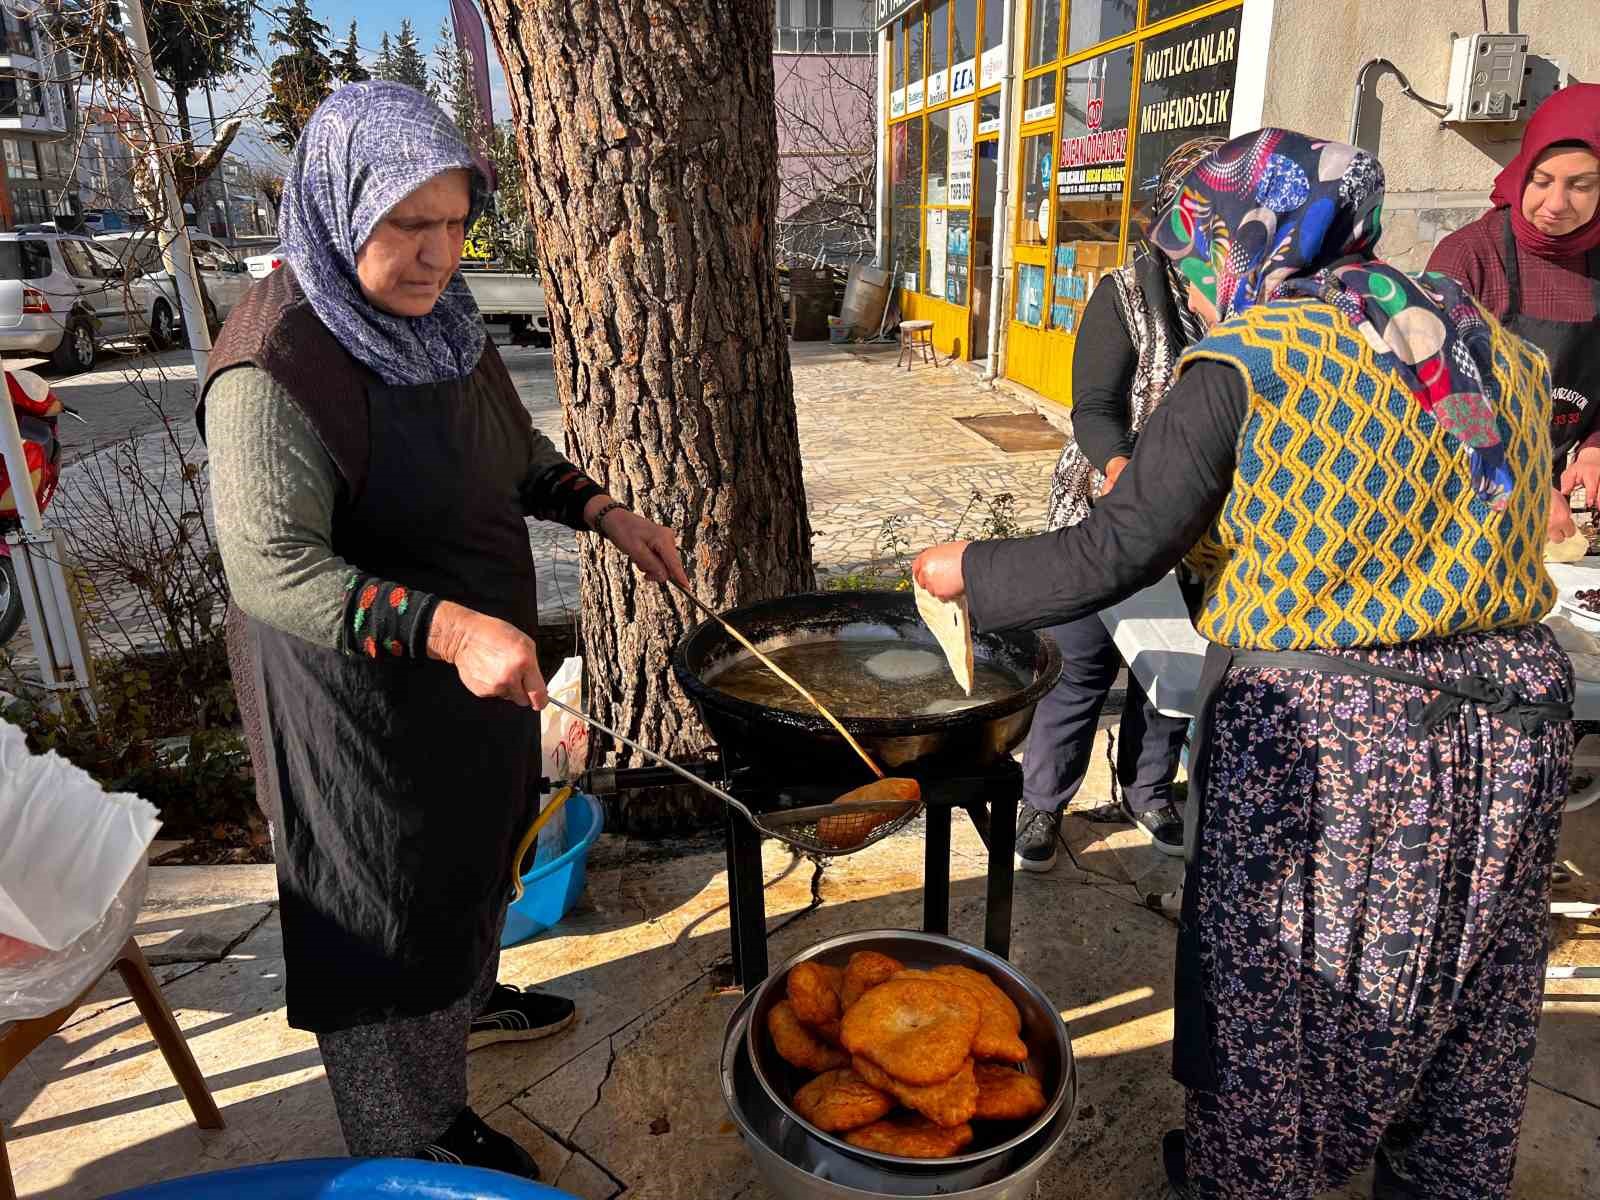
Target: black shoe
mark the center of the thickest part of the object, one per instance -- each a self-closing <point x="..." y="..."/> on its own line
<point x="513" y="1015"/>
<point x="1172" y="1162"/>
<point x="1037" y="838"/>
<point x="1165" y="827"/>
<point x="470" y="1143"/>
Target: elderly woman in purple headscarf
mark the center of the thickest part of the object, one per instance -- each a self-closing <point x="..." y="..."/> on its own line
<point x="373" y="469"/>
<point x="1356" y="463"/>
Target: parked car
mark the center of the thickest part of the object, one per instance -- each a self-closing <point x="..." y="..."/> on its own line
<point x="66" y="296"/>
<point x="221" y="273"/>
<point x="262" y="265"/>
<point x="108" y="220"/>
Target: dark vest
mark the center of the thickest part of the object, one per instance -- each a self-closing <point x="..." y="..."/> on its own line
<point x="398" y="797"/>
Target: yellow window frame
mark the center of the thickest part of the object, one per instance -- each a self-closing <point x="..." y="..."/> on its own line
<point x="1040" y="255"/>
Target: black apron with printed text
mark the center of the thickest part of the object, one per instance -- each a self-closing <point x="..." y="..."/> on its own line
<point x="1573" y="349"/>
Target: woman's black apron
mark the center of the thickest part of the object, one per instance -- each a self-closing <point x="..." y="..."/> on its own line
<point x="400" y="797"/>
<point x="1573" y="349"/>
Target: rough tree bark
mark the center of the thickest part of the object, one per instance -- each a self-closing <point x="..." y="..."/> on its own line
<point x="647" y="129"/>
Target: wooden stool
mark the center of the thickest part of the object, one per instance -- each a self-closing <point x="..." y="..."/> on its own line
<point x="21" y="1038"/>
<point x="915" y="336"/>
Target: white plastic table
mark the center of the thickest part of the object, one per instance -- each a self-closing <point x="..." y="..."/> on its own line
<point x="1166" y="655"/>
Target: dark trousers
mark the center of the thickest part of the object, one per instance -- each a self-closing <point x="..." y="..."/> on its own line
<point x="1062" y="738"/>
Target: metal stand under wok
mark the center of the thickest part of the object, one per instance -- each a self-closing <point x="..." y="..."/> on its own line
<point x="990" y="799"/>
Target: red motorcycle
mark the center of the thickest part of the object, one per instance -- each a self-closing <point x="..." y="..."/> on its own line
<point x="38" y="411"/>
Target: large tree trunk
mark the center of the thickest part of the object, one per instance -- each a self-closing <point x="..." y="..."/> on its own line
<point x="647" y="129"/>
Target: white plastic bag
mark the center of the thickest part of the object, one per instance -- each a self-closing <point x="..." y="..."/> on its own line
<point x="35" y="981"/>
<point x="66" y="846"/>
<point x="564" y="743"/>
<point x="71" y="876"/>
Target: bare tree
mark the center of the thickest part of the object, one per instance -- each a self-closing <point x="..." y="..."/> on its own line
<point x="826" y="157"/>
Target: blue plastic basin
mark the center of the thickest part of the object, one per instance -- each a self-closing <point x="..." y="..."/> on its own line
<point x="348" y="1179"/>
<point x="549" y="891"/>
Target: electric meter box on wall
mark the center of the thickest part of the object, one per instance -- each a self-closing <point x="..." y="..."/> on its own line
<point x="1488" y="78"/>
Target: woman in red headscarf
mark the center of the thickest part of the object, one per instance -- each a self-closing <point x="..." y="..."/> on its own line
<point x="1534" y="261"/>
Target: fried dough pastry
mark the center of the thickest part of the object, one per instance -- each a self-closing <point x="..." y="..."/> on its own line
<point x="911" y="1137"/>
<point x="949" y="1103"/>
<point x="813" y="990"/>
<point x="799" y="1045"/>
<point x="839" y="1100"/>
<point x="1001" y="1023"/>
<point x="866" y="970"/>
<point x="1007" y="1095"/>
<point x="919" y="1030"/>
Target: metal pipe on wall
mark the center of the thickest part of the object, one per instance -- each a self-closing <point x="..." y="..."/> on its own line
<point x="1000" y="230"/>
<point x="881" y="167"/>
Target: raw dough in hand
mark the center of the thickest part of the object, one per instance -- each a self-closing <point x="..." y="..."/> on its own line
<point x="951" y="623"/>
<point x="901" y="666"/>
<point x="1569" y="549"/>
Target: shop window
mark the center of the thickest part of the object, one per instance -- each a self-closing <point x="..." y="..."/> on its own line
<point x="938" y="186"/>
<point x="964" y="31"/>
<point x="934" y="248"/>
<point x="1030" y="294"/>
<point x="1185" y="91"/>
<point x="938" y="36"/>
<point x="989" y="113"/>
<point x="1091" y="178"/>
<point x="905" y="148"/>
<point x="1160" y="10"/>
<point x="914" y="46"/>
<point x="1039" y="97"/>
<point x="994" y="23"/>
<point x="1094" y="21"/>
<point x="904" y="229"/>
<point x="956" y="255"/>
<point x="897" y="55"/>
<point x="1037" y="197"/>
<point x="1044" y="31"/>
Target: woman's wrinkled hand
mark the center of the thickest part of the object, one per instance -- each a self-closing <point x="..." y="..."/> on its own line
<point x="653" y="548"/>
<point x="938" y="570"/>
<point x="1585" y="473"/>
<point x="492" y="657"/>
<point x="1562" y="526"/>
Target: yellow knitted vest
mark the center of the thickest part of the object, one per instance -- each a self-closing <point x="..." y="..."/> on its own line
<point x="1352" y="520"/>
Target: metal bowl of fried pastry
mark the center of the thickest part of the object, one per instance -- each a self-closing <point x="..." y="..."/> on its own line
<point x="910" y="1050"/>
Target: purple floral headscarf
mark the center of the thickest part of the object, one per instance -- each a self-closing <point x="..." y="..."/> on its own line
<point x="366" y="148"/>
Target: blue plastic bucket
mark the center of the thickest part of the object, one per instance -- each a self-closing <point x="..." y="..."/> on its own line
<point x="349" y="1179"/>
<point x="549" y="891"/>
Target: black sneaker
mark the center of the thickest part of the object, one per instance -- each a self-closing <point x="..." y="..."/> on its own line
<point x="1037" y="838"/>
<point x="470" y="1143"/>
<point x="513" y="1015"/>
<point x="1165" y="827"/>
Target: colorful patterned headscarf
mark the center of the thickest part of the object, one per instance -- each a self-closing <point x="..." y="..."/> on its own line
<point x="366" y="148"/>
<point x="1275" y="214"/>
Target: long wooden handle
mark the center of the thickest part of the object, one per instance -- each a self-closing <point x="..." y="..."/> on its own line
<point x="783" y="675"/>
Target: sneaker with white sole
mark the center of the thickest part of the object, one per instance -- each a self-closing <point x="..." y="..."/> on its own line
<point x="1165" y="827"/>
<point x="470" y="1143"/>
<point x="1036" y="839"/>
<point x="513" y="1015"/>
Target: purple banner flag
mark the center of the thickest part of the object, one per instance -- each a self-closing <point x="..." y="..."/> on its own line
<point x="471" y="42"/>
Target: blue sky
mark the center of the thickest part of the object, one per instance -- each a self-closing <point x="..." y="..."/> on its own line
<point x="375" y="17"/>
